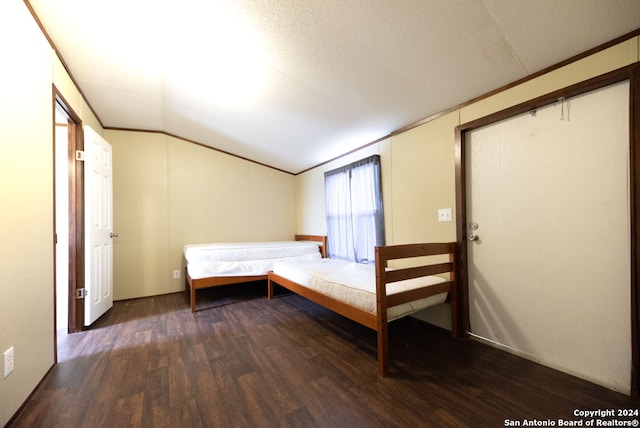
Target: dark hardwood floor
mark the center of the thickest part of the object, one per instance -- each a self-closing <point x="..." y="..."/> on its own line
<point x="244" y="361"/>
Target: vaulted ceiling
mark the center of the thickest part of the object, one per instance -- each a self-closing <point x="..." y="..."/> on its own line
<point x="294" y="83"/>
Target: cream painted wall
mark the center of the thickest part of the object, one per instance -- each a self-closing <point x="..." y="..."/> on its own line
<point x="419" y="164"/>
<point x="140" y="257"/>
<point x="26" y="217"/>
<point x="169" y="192"/>
<point x="423" y="182"/>
<point x="29" y="69"/>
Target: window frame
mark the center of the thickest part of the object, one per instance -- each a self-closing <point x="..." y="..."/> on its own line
<point x="354" y="210"/>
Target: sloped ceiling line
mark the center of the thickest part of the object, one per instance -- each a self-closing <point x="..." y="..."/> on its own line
<point x="295" y="85"/>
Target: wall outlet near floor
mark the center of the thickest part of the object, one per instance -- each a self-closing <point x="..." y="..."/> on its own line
<point x="176" y="274"/>
<point x="444" y="214"/>
<point x="8" y="361"/>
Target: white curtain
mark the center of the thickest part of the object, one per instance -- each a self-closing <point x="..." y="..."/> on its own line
<point x="353" y="201"/>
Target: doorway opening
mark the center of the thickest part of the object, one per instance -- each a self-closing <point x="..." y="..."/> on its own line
<point x="68" y="206"/>
<point x="62" y="220"/>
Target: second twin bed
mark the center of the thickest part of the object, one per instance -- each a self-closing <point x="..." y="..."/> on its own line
<point x="375" y="295"/>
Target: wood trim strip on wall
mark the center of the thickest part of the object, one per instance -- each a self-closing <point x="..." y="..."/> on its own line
<point x="634" y="171"/>
<point x="112" y="128"/>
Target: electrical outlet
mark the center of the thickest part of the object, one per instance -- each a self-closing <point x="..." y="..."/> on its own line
<point x="176" y="274"/>
<point x="8" y="361"/>
<point x="444" y="214"/>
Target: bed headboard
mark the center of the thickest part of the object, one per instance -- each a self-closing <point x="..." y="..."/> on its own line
<point x="315" y="238"/>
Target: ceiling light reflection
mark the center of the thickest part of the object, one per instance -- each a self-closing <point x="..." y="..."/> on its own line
<point x="229" y="69"/>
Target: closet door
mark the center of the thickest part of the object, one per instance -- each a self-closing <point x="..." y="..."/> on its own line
<point x="548" y="207"/>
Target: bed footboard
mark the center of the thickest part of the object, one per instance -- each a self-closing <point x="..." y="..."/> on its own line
<point x="384" y="277"/>
<point x="378" y="321"/>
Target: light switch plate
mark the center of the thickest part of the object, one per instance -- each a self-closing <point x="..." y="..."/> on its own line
<point x="8" y="361"/>
<point x="444" y="214"/>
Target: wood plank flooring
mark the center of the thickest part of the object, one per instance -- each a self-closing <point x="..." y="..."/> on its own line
<point x="244" y="361"/>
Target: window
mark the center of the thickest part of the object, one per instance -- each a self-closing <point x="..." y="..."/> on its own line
<point x="353" y="203"/>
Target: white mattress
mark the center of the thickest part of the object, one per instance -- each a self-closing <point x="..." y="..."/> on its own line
<point x="355" y="284"/>
<point x="244" y="258"/>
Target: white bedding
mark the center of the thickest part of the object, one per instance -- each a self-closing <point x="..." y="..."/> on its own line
<point x="355" y="284"/>
<point x="244" y="258"/>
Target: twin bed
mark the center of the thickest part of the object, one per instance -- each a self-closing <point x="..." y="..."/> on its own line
<point x="369" y="295"/>
<point x="212" y="265"/>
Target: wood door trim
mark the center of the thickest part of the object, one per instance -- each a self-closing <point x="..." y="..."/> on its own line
<point x="631" y="73"/>
<point x="76" y="214"/>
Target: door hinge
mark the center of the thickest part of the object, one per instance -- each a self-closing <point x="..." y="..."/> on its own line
<point x="80" y="155"/>
<point x="81" y="293"/>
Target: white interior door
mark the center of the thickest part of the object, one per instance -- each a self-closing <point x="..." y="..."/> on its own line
<point x="549" y="275"/>
<point x="98" y="194"/>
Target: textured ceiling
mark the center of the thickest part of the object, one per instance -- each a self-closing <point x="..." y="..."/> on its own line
<point x="292" y="84"/>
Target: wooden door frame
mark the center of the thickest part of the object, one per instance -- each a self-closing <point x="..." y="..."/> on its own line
<point x="76" y="213"/>
<point x="630" y="73"/>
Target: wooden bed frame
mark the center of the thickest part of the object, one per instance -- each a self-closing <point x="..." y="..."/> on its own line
<point x="378" y="321"/>
<point x="191" y="285"/>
